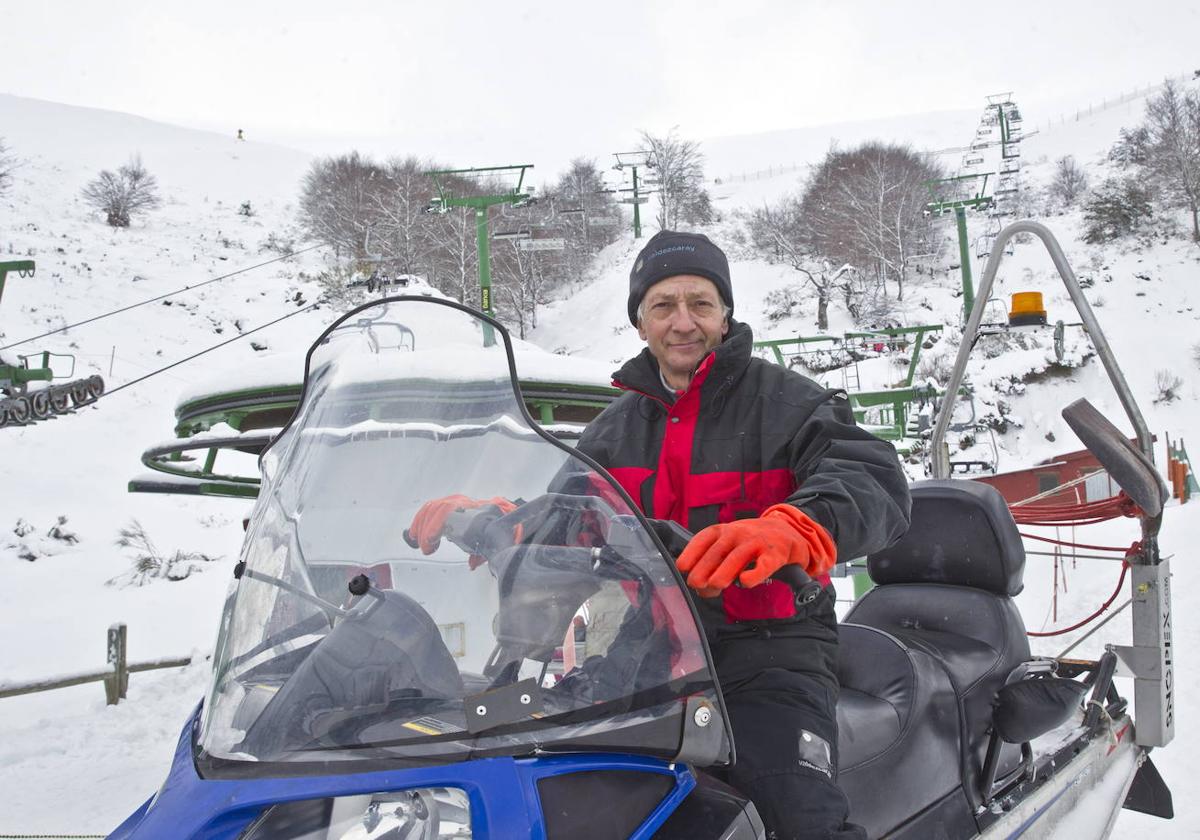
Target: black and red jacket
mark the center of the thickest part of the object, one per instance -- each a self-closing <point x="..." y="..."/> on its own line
<point x="745" y="435"/>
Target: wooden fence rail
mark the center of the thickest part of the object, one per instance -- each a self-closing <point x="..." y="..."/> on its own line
<point x="114" y="675"/>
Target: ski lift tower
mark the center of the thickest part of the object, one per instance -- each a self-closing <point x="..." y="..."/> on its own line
<point x="955" y="195"/>
<point x="452" y="187"/>
<point x="631" y="161"/>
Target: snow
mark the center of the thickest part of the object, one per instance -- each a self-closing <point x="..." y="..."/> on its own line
<point x="55" y="609"/>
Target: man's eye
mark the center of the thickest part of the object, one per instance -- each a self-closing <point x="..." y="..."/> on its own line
<point x="661" y="306"/>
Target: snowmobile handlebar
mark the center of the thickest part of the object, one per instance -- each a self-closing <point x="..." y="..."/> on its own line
<point x="465" y="528"/>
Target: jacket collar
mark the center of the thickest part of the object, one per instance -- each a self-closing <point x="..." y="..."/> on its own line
<point x="730" y="359"/>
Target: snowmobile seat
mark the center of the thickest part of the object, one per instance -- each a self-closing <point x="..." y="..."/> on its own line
<point x="946" y="588"/>
<point x="898" y="732"/>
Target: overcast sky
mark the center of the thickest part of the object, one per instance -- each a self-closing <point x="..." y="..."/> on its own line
<point x="477" y="83"/>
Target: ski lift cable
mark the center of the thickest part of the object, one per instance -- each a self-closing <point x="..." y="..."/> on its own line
<point x="206" y="350"/>
<point x="159" y="297"/>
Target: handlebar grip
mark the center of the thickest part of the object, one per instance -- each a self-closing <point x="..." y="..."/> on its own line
<point x="804" y="588"/>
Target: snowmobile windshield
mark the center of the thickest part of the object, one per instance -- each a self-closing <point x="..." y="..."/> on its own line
<point x="537" y="615"/>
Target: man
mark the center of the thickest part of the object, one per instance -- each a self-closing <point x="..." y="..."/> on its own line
<point x="766" y="468"/>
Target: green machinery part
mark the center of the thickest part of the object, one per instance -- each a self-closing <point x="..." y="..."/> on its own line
<point x="19" y="404"/>
<point x="886" y="411"/>
<point x="447" y="181"/>
<point x="253" y="416"/>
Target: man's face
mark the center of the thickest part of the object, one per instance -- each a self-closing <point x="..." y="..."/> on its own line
<point x="682" y="320"/>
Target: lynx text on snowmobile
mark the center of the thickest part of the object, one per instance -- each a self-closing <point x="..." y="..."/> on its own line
<point x="542" y="674"/>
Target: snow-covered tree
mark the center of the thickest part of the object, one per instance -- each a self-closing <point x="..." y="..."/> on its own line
<point x="781" y="235"/>
<point x="1070" y="181"/>
<point x="1116" y="208"/>
<point x="679" y="166"/>
<point x="454" y="263"/>
<point x="1130" y="148"/>
<point x="7" y="164"/>
<point x="1173" y="146"/>
<point x="337" y="202"/>
<point x="402" y="232"/>
<point x="866" y="207"/>
<point x="119" y="195"/>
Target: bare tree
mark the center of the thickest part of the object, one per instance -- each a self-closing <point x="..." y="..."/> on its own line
<point x="338" y="203"/>
<point x="579" y="200"/>
<point x="679" y="165"/>
<point x="523" y="278"/>
<point x="131" y="189"/>
<point x="1070" y="181"/>
<point x="402" y="232"/>
<point x="866" y="207"/>
<point x="781" y="235"/>
<point x="1173" y="146"/>
<point x="454" y="263"/>
<point x="7" y="164"/>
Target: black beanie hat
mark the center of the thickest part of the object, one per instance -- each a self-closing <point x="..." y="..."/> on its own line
<point x="668" y="254"/>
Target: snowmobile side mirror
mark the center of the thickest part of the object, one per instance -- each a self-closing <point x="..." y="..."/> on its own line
<point x="1126" y="464"/>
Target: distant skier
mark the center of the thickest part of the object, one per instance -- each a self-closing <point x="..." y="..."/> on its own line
<point x="241" y="136"/>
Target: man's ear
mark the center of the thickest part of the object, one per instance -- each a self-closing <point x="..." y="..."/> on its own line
<point x="725" y="327"/>
<point x="641" y="330"/>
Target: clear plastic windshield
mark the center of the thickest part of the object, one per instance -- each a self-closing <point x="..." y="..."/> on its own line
<point x="544" y="620"/>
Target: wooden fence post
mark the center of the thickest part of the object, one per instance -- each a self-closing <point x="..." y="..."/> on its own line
<point x="117" y="683"/>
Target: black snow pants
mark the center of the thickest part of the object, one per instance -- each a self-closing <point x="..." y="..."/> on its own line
<point x="780" y="688"/>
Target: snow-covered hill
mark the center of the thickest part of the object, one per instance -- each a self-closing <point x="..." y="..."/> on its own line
<point x="55" y="608"/>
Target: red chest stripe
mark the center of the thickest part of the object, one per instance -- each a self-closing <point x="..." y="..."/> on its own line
<point x="677" y="490"/>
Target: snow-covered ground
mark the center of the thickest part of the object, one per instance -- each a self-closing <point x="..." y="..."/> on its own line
<point x="70" y="764"/>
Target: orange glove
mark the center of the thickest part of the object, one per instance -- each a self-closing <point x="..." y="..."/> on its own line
<point x="751" y="550"/>
<point x="430" y="521"/>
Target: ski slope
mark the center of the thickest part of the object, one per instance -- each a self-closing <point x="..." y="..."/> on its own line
<point x="70" y="764"/>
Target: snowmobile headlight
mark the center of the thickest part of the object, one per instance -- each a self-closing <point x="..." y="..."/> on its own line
<point x="419" y="813"/>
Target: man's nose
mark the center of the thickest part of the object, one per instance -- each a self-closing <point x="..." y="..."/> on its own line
<point x="681" y="319"/>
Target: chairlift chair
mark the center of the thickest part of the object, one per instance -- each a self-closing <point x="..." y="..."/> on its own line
<point x="520" y="233"/>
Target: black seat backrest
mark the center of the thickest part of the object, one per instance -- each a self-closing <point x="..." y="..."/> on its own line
<point x="961" y="534"/>
<point x="946" y="587"/>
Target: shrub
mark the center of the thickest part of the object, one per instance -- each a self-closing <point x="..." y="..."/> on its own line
<point x="131" y="189"/>
<point x="1070" y="181"/>
<point x="149" y="563"/>
<point x="1167" y="384"/>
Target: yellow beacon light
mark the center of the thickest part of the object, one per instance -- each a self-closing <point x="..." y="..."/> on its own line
<point x="1027" y="310"/>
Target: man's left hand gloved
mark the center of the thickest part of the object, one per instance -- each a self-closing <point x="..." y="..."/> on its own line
<point x="751" y="550"/>
<point x="430" y="520"/>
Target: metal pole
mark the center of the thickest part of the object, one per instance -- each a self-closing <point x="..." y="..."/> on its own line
<point x="116" y="685"/>
<point x="964" y="258"/>
<point x="637" y="217"/>
<point x="1150" y="657"/>
<point x="485" y="273"/>
<point x="941" y="461"/>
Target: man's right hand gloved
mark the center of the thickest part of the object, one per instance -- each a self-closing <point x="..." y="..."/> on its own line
<point x="751" y="550"/>
<point x="430" y="521"/>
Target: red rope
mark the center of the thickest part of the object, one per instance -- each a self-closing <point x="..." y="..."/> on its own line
<point x="1125" y="568"/>
<point x="1123" y="549"/>
<point x="1084" y="513"/>
<point x="1075" y="514"/>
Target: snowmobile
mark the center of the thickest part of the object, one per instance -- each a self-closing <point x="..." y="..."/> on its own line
<point x="543" y="674"/>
